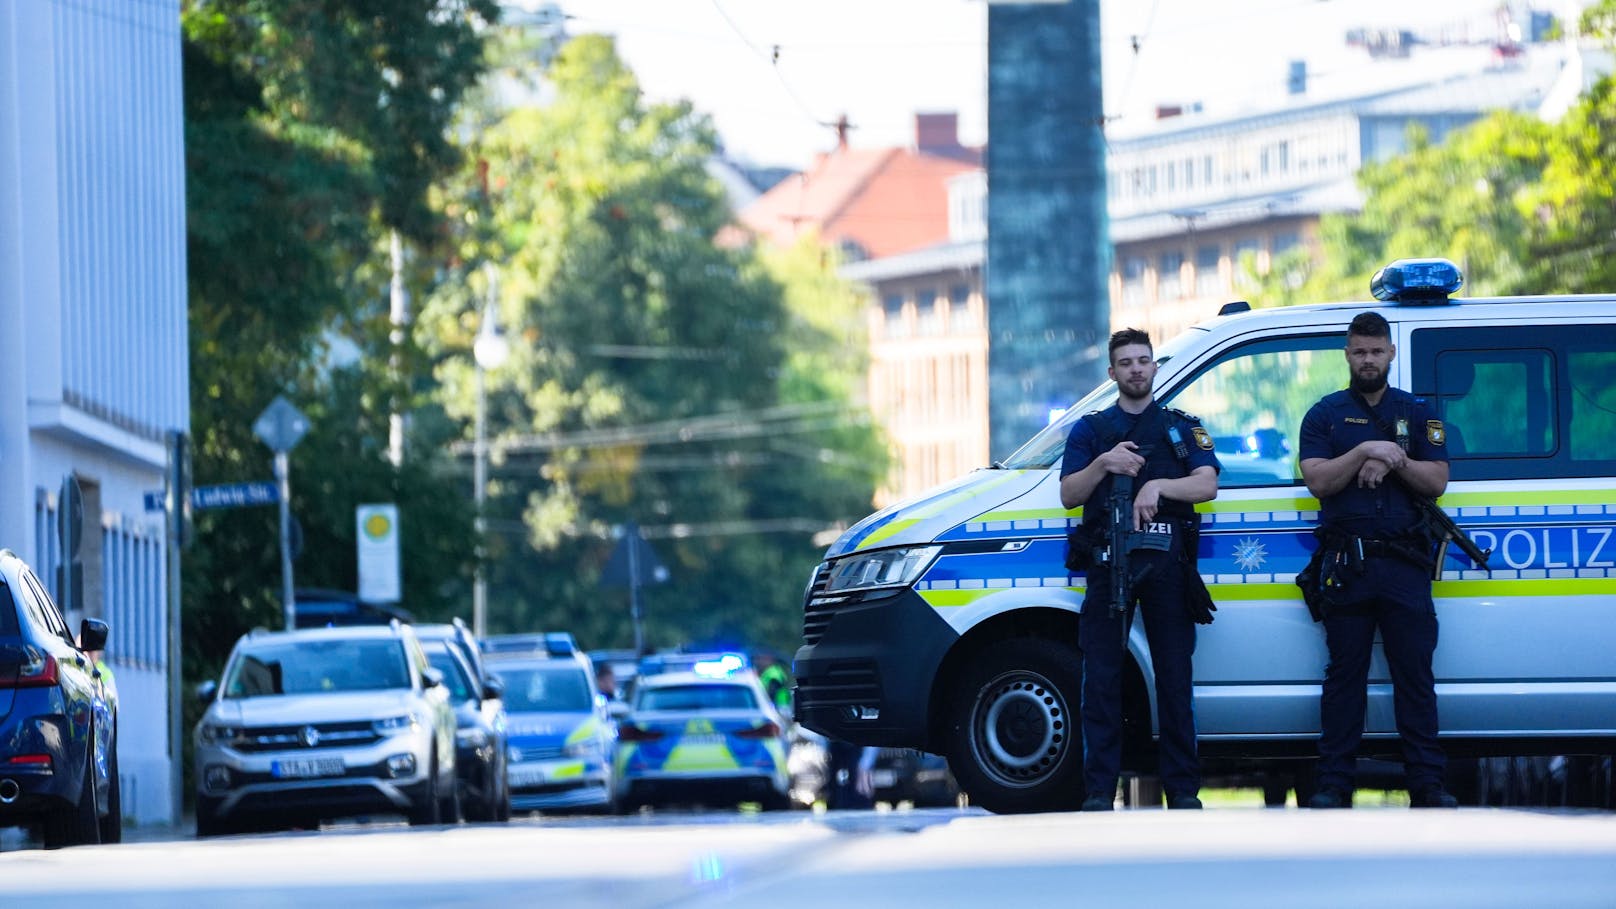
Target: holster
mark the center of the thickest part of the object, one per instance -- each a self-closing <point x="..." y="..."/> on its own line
<point x="1081" y="541"/>
<point x="1197" y="599"/>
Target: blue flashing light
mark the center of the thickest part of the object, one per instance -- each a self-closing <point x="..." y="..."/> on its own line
<point x="1417" y="281"/>
<point x="722" y="667"/>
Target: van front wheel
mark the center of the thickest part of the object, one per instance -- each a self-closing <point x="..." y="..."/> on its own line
<point x="1015" y="740"/>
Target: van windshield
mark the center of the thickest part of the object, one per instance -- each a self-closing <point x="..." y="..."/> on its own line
<point x="1045" y="449"/>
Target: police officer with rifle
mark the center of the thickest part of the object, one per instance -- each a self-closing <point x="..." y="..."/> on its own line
<point x="1137" y="469"/>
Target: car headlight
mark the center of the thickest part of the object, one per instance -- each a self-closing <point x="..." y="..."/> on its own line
<point x="472" y="737"/>
<point x="393" y="725"/>
<point x="211" y="734"/>
<point x="881" y="568"/>
<point x="585" y="748"/>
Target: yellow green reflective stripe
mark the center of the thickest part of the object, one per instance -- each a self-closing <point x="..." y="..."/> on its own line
<point x="894" y="527"/>
<point x="1530" y="497"/>
<point x="887" y="531"/>
<point x="1296" y="503"/>
<point x="567" y="771"/>
<point x="584" y="731"/>
<point x="701" y="756"/>
<point x="947" y="599"/>
<point x="1477" y="589"/>
<point x="1031" y="514"/>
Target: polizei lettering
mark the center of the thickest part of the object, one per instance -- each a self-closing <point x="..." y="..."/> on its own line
<point x="1546" y="547"/>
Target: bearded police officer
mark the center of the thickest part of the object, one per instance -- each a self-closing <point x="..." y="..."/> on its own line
<point x="1168" y="458"/>
<point x="1364" y="452"/>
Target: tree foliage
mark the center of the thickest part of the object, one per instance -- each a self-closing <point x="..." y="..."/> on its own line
<point x="1523" y="206"/>
<point x="312" y="127"/>
<point x="655" y="376"/>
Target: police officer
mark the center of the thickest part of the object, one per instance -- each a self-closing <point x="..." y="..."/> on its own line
<point x="1363" y="451"/>
<point x="1170" y="458"/>
<point x="776" y="684"/>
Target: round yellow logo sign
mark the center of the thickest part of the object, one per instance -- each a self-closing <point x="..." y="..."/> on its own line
<point x="377" y="526"/>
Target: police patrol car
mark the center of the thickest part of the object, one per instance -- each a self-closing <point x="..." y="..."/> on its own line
<point x="560" y="736"/>
<point x="949" y="622"/>
<point x="707" y="736"/>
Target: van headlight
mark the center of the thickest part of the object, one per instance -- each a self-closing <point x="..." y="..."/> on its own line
<point x="881" y="568"/>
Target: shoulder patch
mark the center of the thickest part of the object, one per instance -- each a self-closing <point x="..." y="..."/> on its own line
<point x="1434" y="432"/>
<point x="1202" y="438"/>
<point x="1182" y="415"/>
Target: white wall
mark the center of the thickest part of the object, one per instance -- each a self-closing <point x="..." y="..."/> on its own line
<point x="93" y="343"/>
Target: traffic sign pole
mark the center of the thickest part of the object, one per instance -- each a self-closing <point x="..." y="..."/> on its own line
<point x="281" y="426"/>
<point x="283" y="477"/>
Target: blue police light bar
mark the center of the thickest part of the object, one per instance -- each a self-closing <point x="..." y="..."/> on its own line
<point x="1417" y="281"/>
<point x="721" y="668"/>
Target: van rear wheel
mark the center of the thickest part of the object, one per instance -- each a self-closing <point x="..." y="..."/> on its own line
<point x="1014" y="737"/>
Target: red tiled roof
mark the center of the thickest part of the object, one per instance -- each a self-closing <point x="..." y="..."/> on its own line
<point x="886" y="201"/>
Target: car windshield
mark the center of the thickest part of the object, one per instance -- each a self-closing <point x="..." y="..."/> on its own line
<point x="535" y="689"/>
<point x="312" y="667"/>
<point x="697" y="697"/>
<point x="456" y="677"/>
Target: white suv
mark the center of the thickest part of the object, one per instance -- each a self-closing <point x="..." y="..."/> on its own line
<point x="324" y="723"/>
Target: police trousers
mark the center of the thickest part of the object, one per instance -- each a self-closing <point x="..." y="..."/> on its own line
<point x="1397" y="601"/>
<point x="1170" y="632"/>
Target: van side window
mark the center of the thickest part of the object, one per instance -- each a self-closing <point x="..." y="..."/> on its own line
<point x="1522" y="401"/>
<point x="1251" y="399"/>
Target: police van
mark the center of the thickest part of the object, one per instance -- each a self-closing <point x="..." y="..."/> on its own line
<point x="949" y="622"/>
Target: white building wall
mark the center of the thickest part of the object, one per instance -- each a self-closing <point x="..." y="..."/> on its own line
<point x="93" y="342"/>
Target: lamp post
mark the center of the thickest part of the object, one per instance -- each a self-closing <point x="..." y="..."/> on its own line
<point x="489" y="351"/>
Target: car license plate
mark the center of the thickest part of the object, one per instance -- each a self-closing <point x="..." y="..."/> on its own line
<point x="884" y="779"/>
<point x="302" y="769"/>
<point x="527" y="776"/>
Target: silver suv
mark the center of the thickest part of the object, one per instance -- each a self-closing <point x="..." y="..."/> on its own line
<point x="325" y="723"/>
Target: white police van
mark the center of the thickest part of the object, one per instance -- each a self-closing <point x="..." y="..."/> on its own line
<point x="949" y="622"/>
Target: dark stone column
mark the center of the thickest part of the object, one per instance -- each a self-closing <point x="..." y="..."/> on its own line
<point x="1049" y="243"/>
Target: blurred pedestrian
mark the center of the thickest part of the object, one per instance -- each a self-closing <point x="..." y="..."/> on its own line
<point x="776" y="682"/>
<point x="852" y="775"/>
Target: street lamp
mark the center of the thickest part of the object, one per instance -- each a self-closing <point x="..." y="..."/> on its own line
<point x="490" y="351"/>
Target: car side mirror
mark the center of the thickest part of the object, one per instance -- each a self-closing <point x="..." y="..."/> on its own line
<point x="431" y="678"/>
<point x="493" y="689"/>
<point x="92" y="635"/>
<point x="207" y="691"/>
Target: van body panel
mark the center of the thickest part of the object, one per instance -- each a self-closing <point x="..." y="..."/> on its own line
<point x="1526" y="656"/>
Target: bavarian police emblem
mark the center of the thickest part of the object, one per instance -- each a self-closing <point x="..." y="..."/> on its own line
<point x="1434" y="433"/>
<point x="1201" y="438"/>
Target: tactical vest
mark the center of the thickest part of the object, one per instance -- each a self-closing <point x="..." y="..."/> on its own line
<point x="1161" y="463"/>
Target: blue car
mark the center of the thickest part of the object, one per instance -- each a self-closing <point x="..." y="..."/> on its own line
<point x="58" y="718"/>
<point x="560" y="736"/>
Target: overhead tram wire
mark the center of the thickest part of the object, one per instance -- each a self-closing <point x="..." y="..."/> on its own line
<point x="773" y="60"/>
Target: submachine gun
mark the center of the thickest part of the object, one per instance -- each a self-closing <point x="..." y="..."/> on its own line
<point x="1121" y="541"/>
<point x="1445" y="532"/>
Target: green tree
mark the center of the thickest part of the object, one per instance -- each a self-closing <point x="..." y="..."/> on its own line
<point x="655" y="376"/>
<point x="312" y="128"/>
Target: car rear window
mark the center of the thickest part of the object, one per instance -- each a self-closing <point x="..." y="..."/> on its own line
<point x="698" y="697"/>
<point x="535" y="689"/>
<point x="8" y="612"/>
<point x="311" y="667"/>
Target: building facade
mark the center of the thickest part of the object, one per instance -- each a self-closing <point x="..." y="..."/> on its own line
<point x="94" y="375"/>
<point x="1198" y="206"/>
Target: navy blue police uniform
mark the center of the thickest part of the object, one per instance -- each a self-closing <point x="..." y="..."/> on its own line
<point x="1391" y="589"/>
<point x="1169" y="626"/>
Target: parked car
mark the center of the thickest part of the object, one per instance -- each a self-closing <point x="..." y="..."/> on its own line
<point x="561" y="737"/>
<point x="320" y="608"/>
<point x="318" y="724"/>
<point x="480" y="729"/>
<point x="917" y="777"/>
<point x="58" y="719"/>
<point x="710" y="738"/>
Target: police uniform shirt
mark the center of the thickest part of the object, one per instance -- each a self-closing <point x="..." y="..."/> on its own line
<point x="1337" y="423"/>
<point x="1083" y="444"/>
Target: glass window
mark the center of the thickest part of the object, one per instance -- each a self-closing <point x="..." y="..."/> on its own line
<point x="314" y="666"/>
<point x="1208" y="281"/>
<point x="1169" y="269"/>
<point x="456" y="677"/>
<point x="1496" y="403"/>
<point x="562" y="689"/>
<point x="1593" y="403"/>
<point x="892" y="305"/>
<point x="1252" y="400"/>
<point x="697" y="697"/>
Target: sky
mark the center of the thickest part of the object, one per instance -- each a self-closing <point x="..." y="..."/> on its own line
<point x="774" y="73"/>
